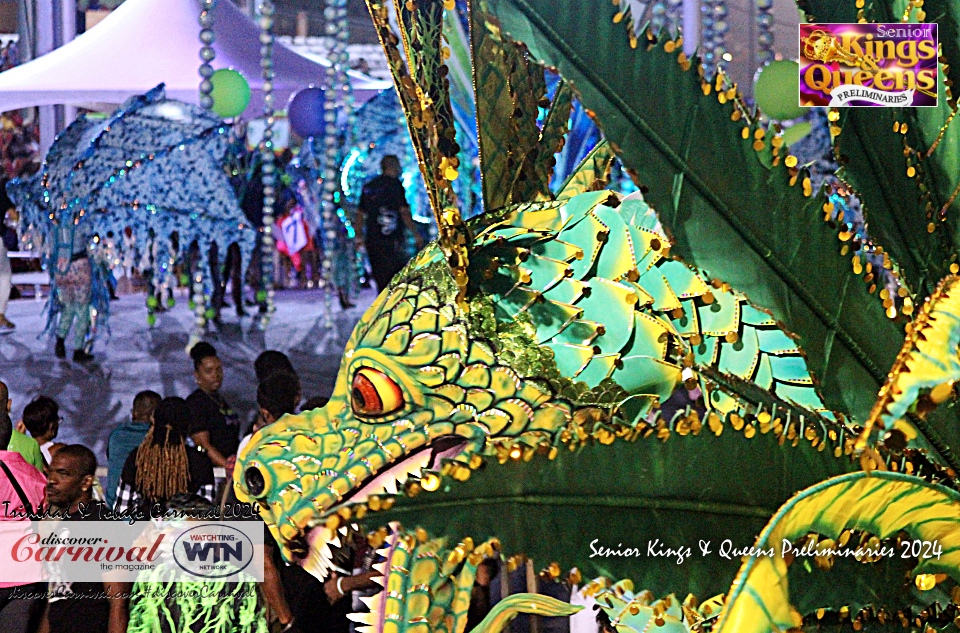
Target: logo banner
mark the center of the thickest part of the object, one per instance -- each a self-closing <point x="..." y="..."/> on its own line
<point x="156" y="551"/>
<point x="843" y="95"/>
<point x="863" y="65"/>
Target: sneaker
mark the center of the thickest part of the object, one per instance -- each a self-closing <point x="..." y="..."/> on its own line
<point x="80" y="356"/>
<point x="61" y="349"/>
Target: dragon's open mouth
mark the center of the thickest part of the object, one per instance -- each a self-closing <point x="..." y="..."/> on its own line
<point x="313" y="547"/>
<point x="393" y="479"/>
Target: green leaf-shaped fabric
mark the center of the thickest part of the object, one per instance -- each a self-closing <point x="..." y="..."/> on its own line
<point x="623" y="495"/>
<point x="882" y="503"/>
<point x="729" y="214"/>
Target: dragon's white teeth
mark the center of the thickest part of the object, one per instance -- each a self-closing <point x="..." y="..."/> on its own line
<point x="316" y="567"/>
<point x="364" y="618"/>
<point x="342" y="531"/>
<point x="381" y="567"/>
<point x="380" y="580"/>
<point x="390" y="486"/>
<point x="368" y="601"/>
<point x="418" y="463"/>
<point x="366" y="629"/>
<point x="335" y="541"/>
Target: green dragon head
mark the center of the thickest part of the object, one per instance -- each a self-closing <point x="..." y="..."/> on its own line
<point x="558" y="336"/>
<point x="577" y="322"/>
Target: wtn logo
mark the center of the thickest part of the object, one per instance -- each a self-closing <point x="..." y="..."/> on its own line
<point x="221" y="551"/>
<point x="217" y="551"/>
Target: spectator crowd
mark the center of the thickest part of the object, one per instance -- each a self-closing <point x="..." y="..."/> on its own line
<point x="163" y="456"/>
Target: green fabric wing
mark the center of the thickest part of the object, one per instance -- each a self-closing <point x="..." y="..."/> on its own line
<point x="728" y="213"/>
<point x="626" y="494"/>
<point x="946" y="13"/>
<point x="873" y="164"/>
<point x="881" y="503"/>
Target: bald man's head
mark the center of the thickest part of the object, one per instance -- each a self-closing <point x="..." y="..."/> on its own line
<point x="4" y="394"/>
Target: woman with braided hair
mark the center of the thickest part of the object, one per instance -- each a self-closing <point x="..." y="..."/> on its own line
<point x="163" y="465"/>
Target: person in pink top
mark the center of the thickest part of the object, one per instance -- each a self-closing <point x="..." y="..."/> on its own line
<point x="22" y="492"/>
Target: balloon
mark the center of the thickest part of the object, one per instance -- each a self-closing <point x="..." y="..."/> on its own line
<point x="305" y="112"/>
<point x="777" y="90"/>
<point x="231" y="93"/>
<point x="796" y="132"/>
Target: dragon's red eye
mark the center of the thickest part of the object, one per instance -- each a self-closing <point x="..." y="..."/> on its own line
<point x="374" y="393"/>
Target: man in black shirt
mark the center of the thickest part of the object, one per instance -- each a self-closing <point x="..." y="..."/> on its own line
<point x="384" y="214"/>
<point x="80" y="607"/>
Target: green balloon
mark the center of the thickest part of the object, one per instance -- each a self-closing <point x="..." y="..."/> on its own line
<point x="231" y="93"/>
<point x="796" y="132"/>
<point x="777" y="90"/>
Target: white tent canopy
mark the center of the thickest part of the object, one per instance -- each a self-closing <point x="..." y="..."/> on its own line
<point x="145" y="42"/>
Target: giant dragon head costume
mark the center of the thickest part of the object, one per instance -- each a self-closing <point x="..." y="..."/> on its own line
<point x="564" y="316"/>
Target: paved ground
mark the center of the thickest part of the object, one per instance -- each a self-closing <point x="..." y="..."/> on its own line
<point x="93" y="398"/>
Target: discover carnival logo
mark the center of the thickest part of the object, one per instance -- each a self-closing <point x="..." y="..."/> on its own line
<point x="213" y="550"/>
<point x="54" y="548"/>
<point x="177" y="551"/>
